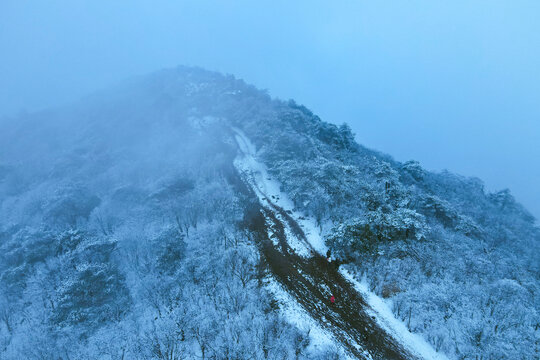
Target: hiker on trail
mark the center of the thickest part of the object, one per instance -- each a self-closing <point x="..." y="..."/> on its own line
<point x="329" y="256"/>
<point x="332" y="299"/>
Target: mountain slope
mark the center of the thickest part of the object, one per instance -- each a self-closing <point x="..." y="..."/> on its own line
<point x="293" y="249"/>
<point x="128" y="231"/>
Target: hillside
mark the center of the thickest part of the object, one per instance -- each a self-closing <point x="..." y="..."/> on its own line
<point x="187" y="214"/>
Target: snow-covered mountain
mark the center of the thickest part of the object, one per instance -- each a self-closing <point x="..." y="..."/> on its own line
<point x="188" y="215"/>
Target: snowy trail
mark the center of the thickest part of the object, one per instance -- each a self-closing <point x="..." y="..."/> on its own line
<point x="360" y="321"/>
<point x="270" y="196"/>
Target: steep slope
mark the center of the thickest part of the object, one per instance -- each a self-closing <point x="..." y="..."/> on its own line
<point x="297" y="261"/>
<point x="128" y="231"/>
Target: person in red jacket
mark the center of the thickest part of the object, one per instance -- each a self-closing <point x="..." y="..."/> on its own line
<point x="332" y="299"/>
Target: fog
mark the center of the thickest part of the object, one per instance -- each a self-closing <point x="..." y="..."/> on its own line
<point x="452" y="85"/>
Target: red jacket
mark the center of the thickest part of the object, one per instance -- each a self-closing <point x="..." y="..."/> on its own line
<point x="332" y="299"/>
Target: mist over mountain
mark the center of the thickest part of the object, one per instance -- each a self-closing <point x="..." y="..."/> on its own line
<point x="187" y="214"/>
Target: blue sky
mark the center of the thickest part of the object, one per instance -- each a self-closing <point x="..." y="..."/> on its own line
<point x="454" y="85"/>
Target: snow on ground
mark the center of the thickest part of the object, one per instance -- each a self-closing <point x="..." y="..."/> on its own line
<point x="311" y="231"/>
<point x="320" y="338"/>
<point x="269" y="191"/>
<point x="381" y="309"/>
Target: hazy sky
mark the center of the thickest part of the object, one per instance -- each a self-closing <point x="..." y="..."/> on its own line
<point x="453" y="84"/>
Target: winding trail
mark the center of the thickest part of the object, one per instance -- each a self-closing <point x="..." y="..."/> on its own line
<point x="305" y="274"/>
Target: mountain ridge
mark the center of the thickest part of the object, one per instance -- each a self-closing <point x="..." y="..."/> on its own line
<point x="133" y="183"/>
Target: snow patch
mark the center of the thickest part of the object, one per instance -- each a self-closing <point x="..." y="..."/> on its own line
<point x="382" y="312"/>
<point x="269" y="192"/>
<point x="320" y="338"/>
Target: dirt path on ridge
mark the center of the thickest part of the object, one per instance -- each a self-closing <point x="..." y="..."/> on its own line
<point x="312" y="280"/>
